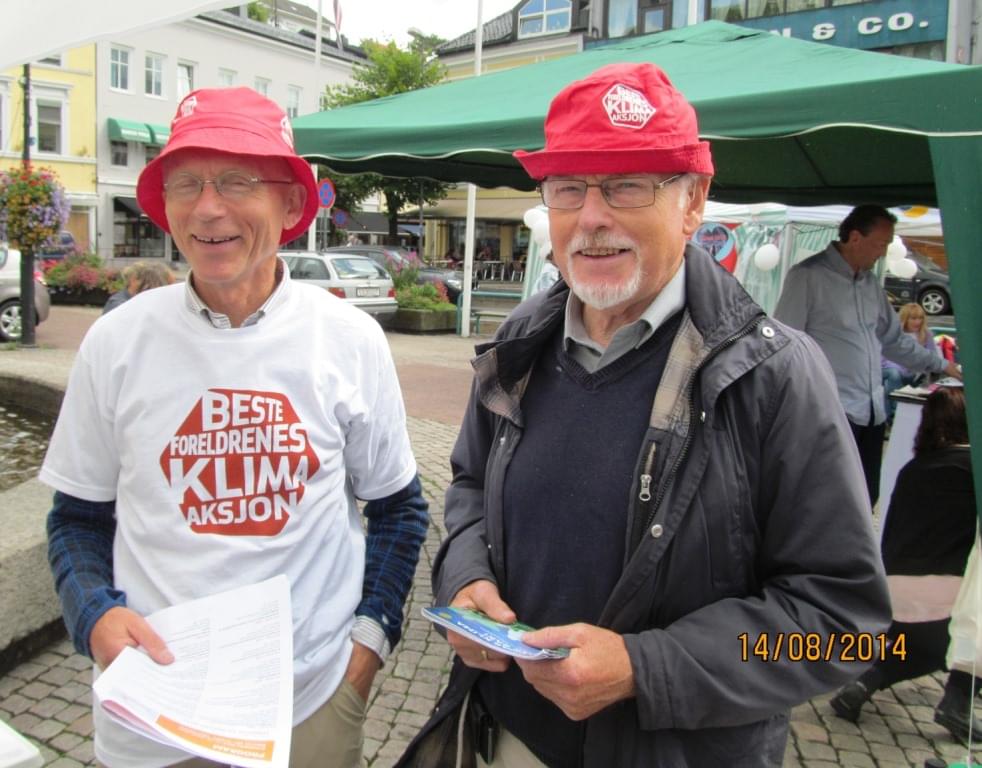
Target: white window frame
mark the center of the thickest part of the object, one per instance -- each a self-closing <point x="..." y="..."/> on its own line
<point x="227" y="77"/>
<point x="157" y="73"/>
<point x="294" y="96"/>
<point x="50" y="97"/>
<point x="112" y="156"/>
<point x="261" y="86"/>
<point x="190" y="67"/>
<point x="119" y="68"/>
<point x="544" y="14"/>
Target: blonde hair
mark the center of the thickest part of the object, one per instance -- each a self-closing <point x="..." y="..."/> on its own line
<point x="914" y="311"/>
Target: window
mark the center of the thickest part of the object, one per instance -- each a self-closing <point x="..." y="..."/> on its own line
<point x="49" y="126"/>
<point x="653" y="20"/>
<point x="544" y="17"/>
<point x="119" y="151"/>
<point x="622" y="18"/>
<point x="262" y="86"/>
<point x="119" y="69"/>
<point x="292" y="101"/>
<point x="226" y="78"/>
<point x="151" y="151"/>
<point x="153" y="82"/>
<point x="185" y="79"/>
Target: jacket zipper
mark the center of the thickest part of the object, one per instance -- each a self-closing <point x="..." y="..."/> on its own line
<point x="646" y="478"/>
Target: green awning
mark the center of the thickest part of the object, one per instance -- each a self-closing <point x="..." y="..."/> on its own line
<point x="160" y="134"/>
<point x="128" y="130"/>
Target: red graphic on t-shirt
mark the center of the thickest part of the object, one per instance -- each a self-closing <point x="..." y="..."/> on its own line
<point x="241" y="460"/>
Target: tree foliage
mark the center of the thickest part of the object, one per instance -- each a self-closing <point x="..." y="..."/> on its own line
<point x="391" y="70"/>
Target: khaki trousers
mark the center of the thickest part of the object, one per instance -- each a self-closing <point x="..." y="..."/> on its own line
<point x="329" y="738"/>
<point x="511" y="753"/>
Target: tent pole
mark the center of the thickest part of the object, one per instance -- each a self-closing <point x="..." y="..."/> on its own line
<point x="465" y="302"/>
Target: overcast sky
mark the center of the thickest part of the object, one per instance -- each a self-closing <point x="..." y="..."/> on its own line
<point x="390" y="19"/>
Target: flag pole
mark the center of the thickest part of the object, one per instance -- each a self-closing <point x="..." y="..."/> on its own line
<point x="465" y="305"/>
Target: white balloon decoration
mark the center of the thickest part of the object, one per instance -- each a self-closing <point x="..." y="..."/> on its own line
<point x="903" y="268"/>
<point x="896" y="250"/>
<point x="540" y="233"/>
<point x="767" y="257"/>
<point x="533" y="216"/>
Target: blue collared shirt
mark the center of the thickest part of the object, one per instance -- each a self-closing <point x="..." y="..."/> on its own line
<point x="850" y="317"/>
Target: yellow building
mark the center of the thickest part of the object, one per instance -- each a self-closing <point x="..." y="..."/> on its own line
<point x="62" y="111"/>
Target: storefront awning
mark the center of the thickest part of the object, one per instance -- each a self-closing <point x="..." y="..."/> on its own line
<point x="129" y="130"/>
<point x="127" y="205"/>
<point x="160" y="134"/>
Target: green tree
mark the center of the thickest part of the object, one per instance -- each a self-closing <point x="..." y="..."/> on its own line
<point x="388" y="71"/>
<point x="258" y="12"/>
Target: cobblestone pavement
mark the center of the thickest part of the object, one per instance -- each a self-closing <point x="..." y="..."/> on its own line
<point x="48" y="698"/>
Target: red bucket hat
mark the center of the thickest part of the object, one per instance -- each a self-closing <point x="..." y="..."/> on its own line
<point x="624" y="118"/>
<point x="236" y="121"/>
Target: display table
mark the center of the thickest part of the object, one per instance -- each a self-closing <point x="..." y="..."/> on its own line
<point x="16" y="751"/>
<point x="900" y="448"/>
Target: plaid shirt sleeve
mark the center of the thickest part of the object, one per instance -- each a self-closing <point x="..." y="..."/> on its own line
<point x="396" y="530"/>
<point x="80" y="551"/>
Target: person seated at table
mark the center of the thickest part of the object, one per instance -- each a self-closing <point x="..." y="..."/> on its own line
<point x="914" y="323"/>
<point x="929" y="531"/>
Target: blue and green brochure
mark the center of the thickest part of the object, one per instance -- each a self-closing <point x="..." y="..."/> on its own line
<point x="503" y="638"/>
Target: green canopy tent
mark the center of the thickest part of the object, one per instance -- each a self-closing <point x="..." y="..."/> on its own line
<point x="790" y="121"/>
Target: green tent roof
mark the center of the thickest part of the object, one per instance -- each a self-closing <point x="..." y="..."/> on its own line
<point x="791" y="120"/>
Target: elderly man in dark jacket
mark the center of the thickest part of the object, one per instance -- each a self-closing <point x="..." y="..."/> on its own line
<point x="653" y="472"/>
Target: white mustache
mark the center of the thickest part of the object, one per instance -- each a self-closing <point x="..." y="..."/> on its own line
<point x="601" y="240"/>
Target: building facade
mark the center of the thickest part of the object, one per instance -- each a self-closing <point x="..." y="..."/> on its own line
<point x="142" y="77"/>
<point x="62" y="112"/>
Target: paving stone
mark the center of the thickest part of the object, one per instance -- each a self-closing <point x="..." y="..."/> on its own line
<point x="65" y="741"/>
<point x="65" y="762"/>
<point x="37" y="690"/>
<point x="83" y="726"/>
<point x="49" y="658"/>
<point x="916" y="757"/>
<point x="58" y="676"/>
<point x="394" y="684"/>
<point x="838" y="725"/>
<point x="384" y="714"/>
<point x="84" y="752"/>
<point x="27" y="671"/>
<point x="45" y="729"/>
<point x="901" y="725"/>
<point x="921" y="714"/>
<point x="413" y="719"/>
<point x="71" y="713"/>
<point x="861" y="759"/>
<point x="16" y="704"/>
<point x="814" y="750"/>
<point x="49" y="707"/>
<point x="80" y="693"/>
<point x="809" y="732"/>
<point x="429" y="691"/>
<point x="8" y="685"/>
<point x="849" y="742"/>
<point x="886" y="752"/>
<point x="393" y="748"/>
<point x="78" y="662"/>
<point x="24" y="722"/>
<point x="877" y="734"/>
<point x="912" y="741"/>
<point x="370" y="748"/>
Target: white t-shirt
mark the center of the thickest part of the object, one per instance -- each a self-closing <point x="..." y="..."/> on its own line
<point x="233" y="456"/>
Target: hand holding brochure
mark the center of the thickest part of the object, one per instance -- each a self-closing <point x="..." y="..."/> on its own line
<point x="503" y="638"/>
<point x="228" y="696"/>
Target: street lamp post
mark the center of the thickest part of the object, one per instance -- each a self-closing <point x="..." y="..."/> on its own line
<point x="26" y="250"/>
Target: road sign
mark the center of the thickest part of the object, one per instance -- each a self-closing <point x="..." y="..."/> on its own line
<point x="340" y="218"/>
<point x="326" y="193"/>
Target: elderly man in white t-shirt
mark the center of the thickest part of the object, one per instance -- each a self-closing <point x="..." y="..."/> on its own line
<point x="218" y="433"/>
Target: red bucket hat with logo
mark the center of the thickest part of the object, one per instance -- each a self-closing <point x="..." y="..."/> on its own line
<point x="233" y="121"/>
<point x="623" y="118"/>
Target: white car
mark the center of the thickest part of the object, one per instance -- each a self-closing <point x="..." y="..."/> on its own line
<point x="10" y="295"/>
<point x="356" y="279"/>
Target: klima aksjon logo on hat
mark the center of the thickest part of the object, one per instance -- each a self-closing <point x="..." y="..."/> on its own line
<point x="627" y="108"/>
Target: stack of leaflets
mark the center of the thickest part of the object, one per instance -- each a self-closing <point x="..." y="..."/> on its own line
<point x="503" y="638"/>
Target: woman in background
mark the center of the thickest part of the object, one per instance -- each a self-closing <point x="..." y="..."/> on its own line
<point x="914" y="322"/>
<point x="929" y="531"/>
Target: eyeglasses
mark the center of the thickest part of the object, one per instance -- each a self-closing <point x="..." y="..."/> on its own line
<point x="232" y="185"/>
<point x="619" y="191"/>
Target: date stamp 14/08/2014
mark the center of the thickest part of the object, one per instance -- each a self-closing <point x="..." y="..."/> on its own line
<point x="814" y="646"/>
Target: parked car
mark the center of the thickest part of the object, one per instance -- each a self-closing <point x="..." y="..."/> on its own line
<point x="356" y="279"/>
<point x="63" y="245"/>
<point x="928" y="287"/>
<point x="384" y="255"/>
<point x="10" y="295"/>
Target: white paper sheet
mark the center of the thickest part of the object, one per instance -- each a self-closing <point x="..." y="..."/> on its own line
<point x="228" y="696"/>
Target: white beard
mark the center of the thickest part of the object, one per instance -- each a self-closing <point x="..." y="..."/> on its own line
<point x="603" y="295"/>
